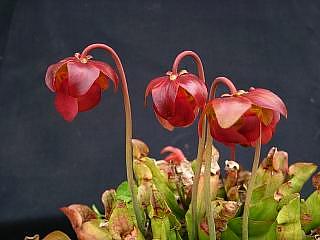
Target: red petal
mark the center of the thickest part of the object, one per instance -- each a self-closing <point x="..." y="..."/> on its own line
<point x="66" y="105"/>
<point x="228" y="110"/>
<point x="186" y="110"/>
<point x="175" y="154"/>
<point x="266" y="99"/>
<point x="192" y="84"/>
<point x="107" y="70"/>
<point x="164" y="97"/>
<point x="227" y="136"/>
<point x="267" y="133"/>
<point x="250" y="128"/>
<point x="90" y="99"/>
<point x="52" y="70"/>
<point x="153" y="84"/>
<point x="81" y="76"/>
<point x="49" y="80"/>
<point x="163" y="121"/>
<point x="102" y="81"/>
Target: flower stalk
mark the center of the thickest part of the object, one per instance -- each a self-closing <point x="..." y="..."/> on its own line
<point x="207" y="187"/>
<point x="208" y="159"/>
<point x="255" y="165"/>
<point x="201" y="140"/>
<point x="128" y="124"/>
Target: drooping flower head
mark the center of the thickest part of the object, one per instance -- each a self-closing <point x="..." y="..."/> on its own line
<point x="78" y="83"/>
<point x="235" y="118"/>
<point x="177" y="98"/>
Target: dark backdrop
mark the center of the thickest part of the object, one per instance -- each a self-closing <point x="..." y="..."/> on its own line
<point x="46" y="163"/>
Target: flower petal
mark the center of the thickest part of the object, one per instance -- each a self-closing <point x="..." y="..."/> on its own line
<point x="197" y="88"/>
<point x="52" y="70"/>
<point x="66" y="105"/>
<point x="49" y="80"/>
<point x="175" y="155"/>
<point x="90" y="99"/>
<point x="164" y="97"/>
<point x="266" y="134"/>
<point x="153" y="84"/>
<point x="107" y="70"/>
<point x="228" y="110"/>
<point x="250" y="128"/>
<point x="81" y="76"/>
<point x="186" y="110"/>
<point x="266" y="99"/>
<point x="227" y="136"/>
<point x="103" y="82"/>
<point x="163" y="121"/>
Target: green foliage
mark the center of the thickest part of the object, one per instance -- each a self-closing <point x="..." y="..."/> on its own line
<point x="123" y="192"/>
<point x="276" y="210"/>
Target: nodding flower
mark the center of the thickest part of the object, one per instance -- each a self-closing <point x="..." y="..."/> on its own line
<point x="177" y="98"/>
<point x="78" y="83"/>
<point x="235" y="118"/>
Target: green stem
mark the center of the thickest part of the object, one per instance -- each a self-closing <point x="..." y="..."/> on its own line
<point x="207" y="187"/>
<point x="128" y="118"/>
<point x="255" y="165"/>
<point x="195" y="186"/>
<point x="201" y="142"/>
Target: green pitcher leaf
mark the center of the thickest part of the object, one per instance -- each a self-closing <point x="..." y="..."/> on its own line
<point x="57" y="235"/>
<point x="160" y="228"/>
<point x="257" y="230"/>
<point x="265" y="209"/>
<point x="311" y="212"/>
<point x="92" y="230"/>
<point x="189" y="224"/>
<point x="299" y="173"/>
<point x="163" y="187"/>
<point x="120" y="222"/>
<point x="288" y="220"/>
<point x="123" y="192"/>
<point x="108" y="199"/>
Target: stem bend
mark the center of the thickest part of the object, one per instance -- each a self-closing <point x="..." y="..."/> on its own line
<point x="128" y="118"/>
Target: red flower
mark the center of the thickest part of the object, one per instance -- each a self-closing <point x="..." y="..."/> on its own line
<point x="175" y="156"/>
<point x="78" y="83"/>
<point x="177" y="98"/>
<point x="236" y="118"/>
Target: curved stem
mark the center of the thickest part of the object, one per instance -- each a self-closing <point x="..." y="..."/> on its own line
<point x="201" y="140"/>
<point x="255" y="165"/>
<point x="127" y="109"/>
<point x="208" y="157"/>
<point x="221" y="80"/>
<point x="195" y="57"/>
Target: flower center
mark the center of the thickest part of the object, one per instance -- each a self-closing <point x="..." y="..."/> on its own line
<point x="83" y="59"/>
<point x="173" y="76"/>
<point x="238" y="93"/>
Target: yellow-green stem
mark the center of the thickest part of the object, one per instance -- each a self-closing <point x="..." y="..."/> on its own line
<point x="128" y="118"/>
<point x="207" y="187"/>
<point x="255" y="165"/>
<point x="195" y="185"/>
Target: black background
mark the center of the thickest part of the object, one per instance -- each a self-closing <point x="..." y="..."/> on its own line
<point x="46" y="163"/>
